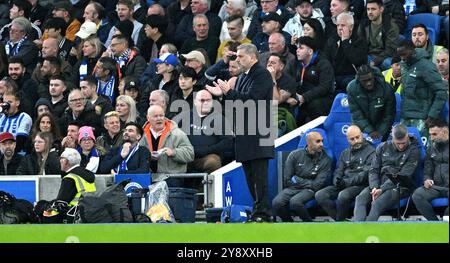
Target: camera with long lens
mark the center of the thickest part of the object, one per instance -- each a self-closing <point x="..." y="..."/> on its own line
<point x="4" y="107"/>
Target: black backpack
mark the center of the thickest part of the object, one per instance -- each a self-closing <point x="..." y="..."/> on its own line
<point x="108" y="206"/>
<point x="15" y="211"/>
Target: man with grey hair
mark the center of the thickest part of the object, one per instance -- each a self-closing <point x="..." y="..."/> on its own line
<point x="277" y="44"/>
<point x="185" y="28"/>
<point x="202" y="39"/>
<point x="442" y="63"/>
<point x="76" y="179"/>
<point x="346" y="51"/>
<point x="20" y="45"/>
<point x="394" y="165"/>
<point x="254" y="148"/>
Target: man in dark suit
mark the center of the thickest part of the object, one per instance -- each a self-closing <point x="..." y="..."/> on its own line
<point x="253" y="148"/>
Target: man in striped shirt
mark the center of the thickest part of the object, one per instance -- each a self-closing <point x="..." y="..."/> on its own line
<point x="13" y="121"/>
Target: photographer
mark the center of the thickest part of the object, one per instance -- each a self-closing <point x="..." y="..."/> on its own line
<point x="13" y="121"/>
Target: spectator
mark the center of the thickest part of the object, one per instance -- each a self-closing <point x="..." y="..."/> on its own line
<point x="57" y="89"/>
<point x="396" y="10"/>
<point x="45" y="123"/>
<point x="76" y="180"/>
<point x="4" y="13"/>
<point x="44" y="160"/>
<point x="397" y="157"/>
<point x="315" y="92"/>
<point x="226" y="68"/>
<point x="19" y="44"/>
<point x="56" y="28"/>
<point x="421" y="39"/>
<point x="242" y="8"/>
<point x="64" y="10"/>
<point x="271" y="23"/>
<point x="125" y="11"/>
<point x="130" y="157"/>
<point x="235" y="9"/>
<point x="235" y="34"/>
<point x="89" y="152"/>
<point x="43" y="105"/>
<point x="435" y="183"/>
<point x="101" y="103"/>
<point x="95" y="12"/>
<point x="155" y="37"/>
<point x="9" y="159"/>
<point x="209" y="144"/>
<point x="253" y="151"/>
<point x="267" y="6"/>
<point x="380" y="33"/>
<point x="346" y="52"/>
<point x="176" y="11"/>
<point x="113" y="136"/>
<point x="372" y="103"/>
<point x="14" y="121"/>
<point x="422" y="85"/>
<point x="313" y="29"/>
<point x="150" y="70"/>
<point x="129" y="61"/>
<point x="393" y="76"/>
<point x="131" y="89"/>
<point x="26" y="87"/>
<point x="91" y="52"/>
<point x="20" y="9"/>
<point x="337" y="7"/>
<point x="80" y="110"/>
<point x="185" y="28"/>
<point x="184" y="94"/>
<point x="202" y="38"/>
<point x="50" y="66"/>
<point x="277" y="44"/>
<point x="169" y="146"/>
<point x="303" y="11"/>
<point x="71" y="139"/>
<point x="107" y="78"/>
<point x="350" y="177"/>
<point x="442" y="63"/>
<point x="196" y="60"/>
<point x="126" y="107"/>
<point x="305" y="173"/>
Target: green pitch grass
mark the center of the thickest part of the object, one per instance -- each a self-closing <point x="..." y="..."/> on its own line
<point x="383" y="232"/>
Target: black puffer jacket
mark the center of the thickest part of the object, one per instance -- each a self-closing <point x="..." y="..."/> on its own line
<point x="388" y="160"/>
<point x="436" y="165"/>
<point x="29" y="165"/>
<point x="354" y="165"/>
<point x="310" y="171"/>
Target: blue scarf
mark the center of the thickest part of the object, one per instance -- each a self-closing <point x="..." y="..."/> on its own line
<point x="123" y="59"/>
<point x="9" y="47"/>
<point x="108" y="89"/>
<point x="123" y="166"/>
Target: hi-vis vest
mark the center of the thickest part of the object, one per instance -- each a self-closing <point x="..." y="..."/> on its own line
<point x="82" y="187"/>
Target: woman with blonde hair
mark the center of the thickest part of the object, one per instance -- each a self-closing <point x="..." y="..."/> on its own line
<point x="43" y="160"/>
<point x="91" y="50"/>
<point x="126" y="107"/>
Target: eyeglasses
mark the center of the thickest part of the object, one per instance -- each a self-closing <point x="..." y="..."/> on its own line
<point x="76" y="100"/>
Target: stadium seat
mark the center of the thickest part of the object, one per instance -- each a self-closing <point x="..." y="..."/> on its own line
<point x="445" y="112"/>
<point x="398" y="101"/>
<point x="337" y="123"/>
<point x="439" y="202"/>
<point x="431" y="21"/>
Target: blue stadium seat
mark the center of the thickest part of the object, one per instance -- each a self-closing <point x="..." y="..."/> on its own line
<point x="445" y="112"/>
<point x="398" y="101"/>
<point x="431" y="21"/>
<point x="337" y="123"/>
<point x="439" y="202"/>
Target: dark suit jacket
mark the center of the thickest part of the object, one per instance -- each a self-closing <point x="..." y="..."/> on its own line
<point x="255" y="86"/>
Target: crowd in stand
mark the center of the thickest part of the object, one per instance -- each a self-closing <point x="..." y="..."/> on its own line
<point x="129" y="85"/>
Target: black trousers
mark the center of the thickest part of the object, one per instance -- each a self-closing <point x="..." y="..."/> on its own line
<point x="256" y="173"/>
<point x="422" y="198"/>
<point x="339" y="209"/>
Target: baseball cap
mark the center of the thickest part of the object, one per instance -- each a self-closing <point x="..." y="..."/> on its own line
<point x="87" y="28"/>
<point x="6" y="136"/>
<point x="168" y="58"/>
<point x="272" y="16"/>
<point x="131" y="85"/>
<point x="195" y="55"/>
<point x="85" y="132"/>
